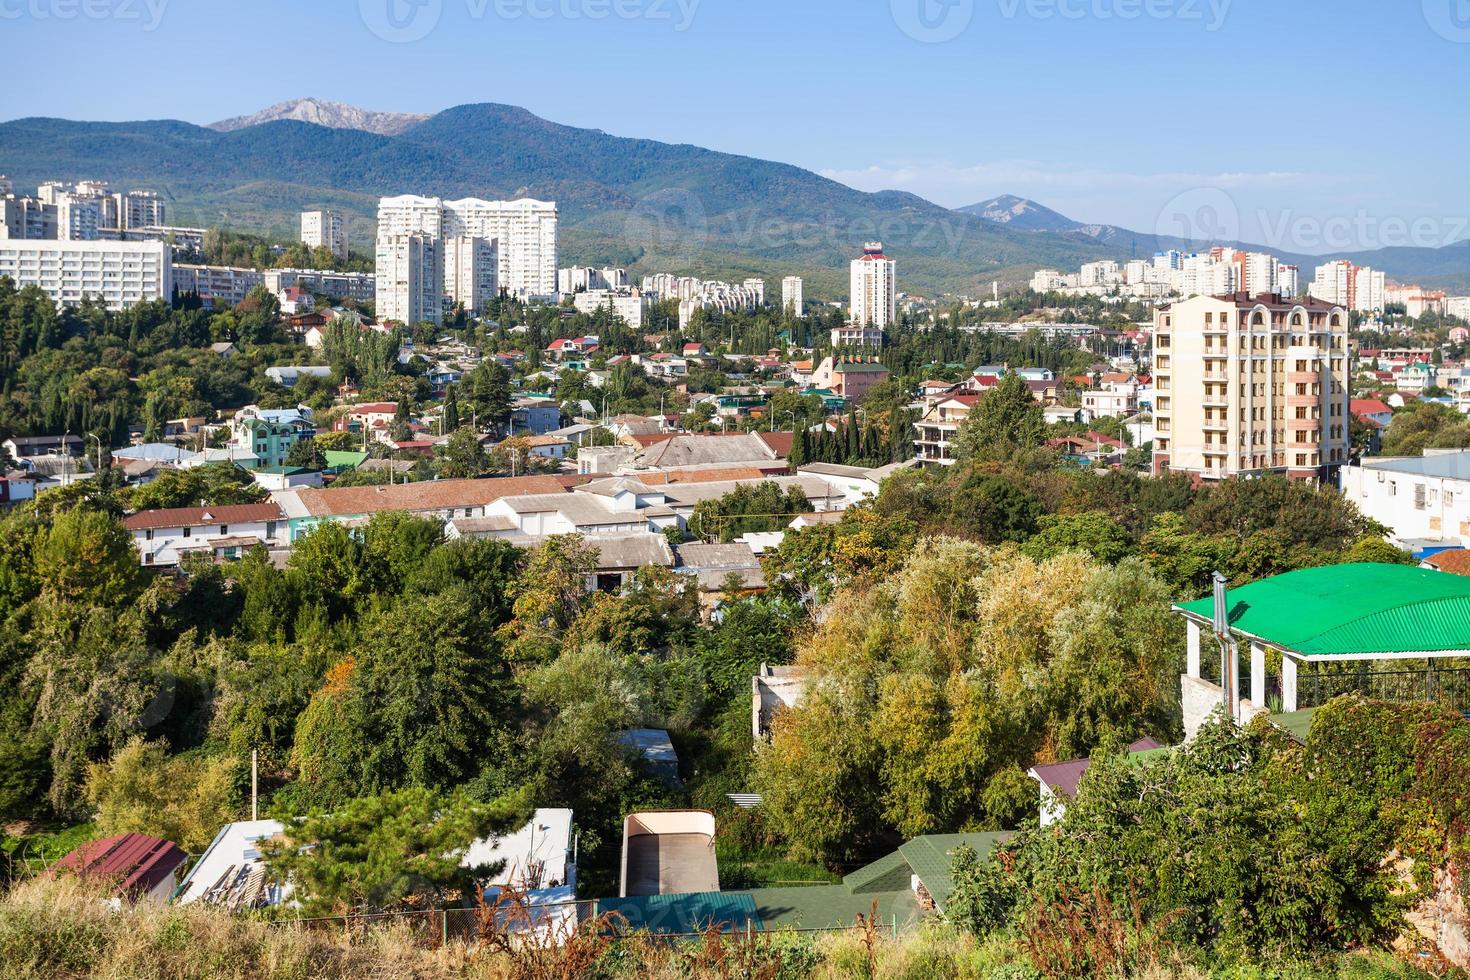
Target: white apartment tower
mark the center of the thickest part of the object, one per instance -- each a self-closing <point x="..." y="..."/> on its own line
<point x="874" y="288"/>
<point x="520" y="234"/>
<point x="325" y="229"/>
<point x="1245" y="386"/>
<point x="525" y="232"/>
<point x="471" y="271"/>
<point x="410" y="279"/>
<point x="793" y="298"/>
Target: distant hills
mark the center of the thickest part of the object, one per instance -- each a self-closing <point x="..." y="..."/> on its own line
<point x="647" y="205"/>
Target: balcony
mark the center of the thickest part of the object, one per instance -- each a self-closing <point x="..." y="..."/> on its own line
<point x="1303" y="401"/>
<point x="1215" y="401"/>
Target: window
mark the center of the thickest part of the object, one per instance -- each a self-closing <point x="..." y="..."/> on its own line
<point x="224" y="529"/>
<point x="148" y="534"/>
<point x="1418" y="496"/>
<point x="188" y="532"/>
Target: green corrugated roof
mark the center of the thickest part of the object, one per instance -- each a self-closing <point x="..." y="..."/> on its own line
<point x="684" y="913"/>
<point x="830" y="906"/>
<point x="1352" y="609"/>
<point x="929" y="857"/>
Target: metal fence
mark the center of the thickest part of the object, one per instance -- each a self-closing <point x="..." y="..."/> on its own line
<point x="1449" y="685"/>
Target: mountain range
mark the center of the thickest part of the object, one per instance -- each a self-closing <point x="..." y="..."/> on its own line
<point x="643" y="204"/>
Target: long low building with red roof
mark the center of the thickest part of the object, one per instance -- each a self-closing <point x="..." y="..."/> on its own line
<point x="165" y="537"/>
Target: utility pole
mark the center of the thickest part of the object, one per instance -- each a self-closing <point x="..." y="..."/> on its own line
<point x="254" y="784"/>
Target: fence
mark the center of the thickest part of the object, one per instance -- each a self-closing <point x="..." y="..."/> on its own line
<point x="1450" y="685"/>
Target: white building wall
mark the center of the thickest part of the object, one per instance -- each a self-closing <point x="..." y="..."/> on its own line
<point x="121" y="274"/>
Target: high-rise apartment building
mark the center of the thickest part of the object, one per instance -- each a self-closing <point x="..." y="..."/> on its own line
<point x="471" y="271"/>
<point x="525" y="233"/>
<point x="521" y="234"/>
<point x="793" y="295"/>
<point x="874" y="296"/>
<point x="325" y="229"/>
<point x="27" y="218"/>
<point x="120" y="274"/>
<point x="1356" y="287"/>
<point x="1248" y="385"/>
<point x="410" y="279"/>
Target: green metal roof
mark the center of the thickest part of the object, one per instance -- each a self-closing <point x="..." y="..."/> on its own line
<point x="344" y="459"/>
<point x="1339" y="610"/>
<point x="830" y="906"/>
<point x="930" y="858"/>
<point x="684" y="913"/>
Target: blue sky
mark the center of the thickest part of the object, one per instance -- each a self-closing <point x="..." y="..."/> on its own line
<point x="1310" y="125"/>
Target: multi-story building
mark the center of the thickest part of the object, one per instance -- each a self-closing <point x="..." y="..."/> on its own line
<point x="269" y="434"/>
<point x="582" y="278"/>
<point x="325" y="229"/>
<point x="793" y="295"/>
<point x="120" y="274"/>
<point x="78" y="216"/>
<point x="874" y="296"/>
<point x="471" y="271"/>
<point x="27" y="218"/>
<point x="410" y="281"/>
<point x="137" y="210"/>
<point x="935" y="432"/>
<point x="1357" y="288"/>
<point x="523" y="233"/>
<point x="857" y="335"/>
<point x="1248" y="385"/>
<point x="359" y="286"/>
<point x="219" y="285"/>
<point x="631" y="305"/>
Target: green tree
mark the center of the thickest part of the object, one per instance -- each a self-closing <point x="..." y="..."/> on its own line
<point x="185" y="799"/>
<point x="87" y="557"/>
<point x="1006" y="425"/>
<point x="388" y="852"/>
<point x="306" y="454"/>
<point x="463" y="456"/>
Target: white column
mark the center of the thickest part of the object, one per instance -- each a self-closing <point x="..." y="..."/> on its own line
<point x="1192" y="663"/>
<point x="1288" y="683"/>
<point x="1258" y="675"/>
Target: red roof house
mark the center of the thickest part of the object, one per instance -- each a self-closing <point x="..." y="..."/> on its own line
<point x="141" y="868"/>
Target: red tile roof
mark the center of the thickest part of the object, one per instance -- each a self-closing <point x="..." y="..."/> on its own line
<point x="200" y="516"/>
<point x="1369" y="406"/>
<point x="425" y="497"/>
<point x="1455" y="561"/>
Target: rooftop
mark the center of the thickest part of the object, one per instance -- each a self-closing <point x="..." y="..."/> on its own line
<point x="414" y="497"/>
<point x="1448" y="466"/>
<point x="138" y="862"/>
<point x="200" y="516"/>
<point x="1355" y="609"/>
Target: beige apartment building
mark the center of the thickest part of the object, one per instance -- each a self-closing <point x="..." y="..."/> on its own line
<point x="1250" y="385"/>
